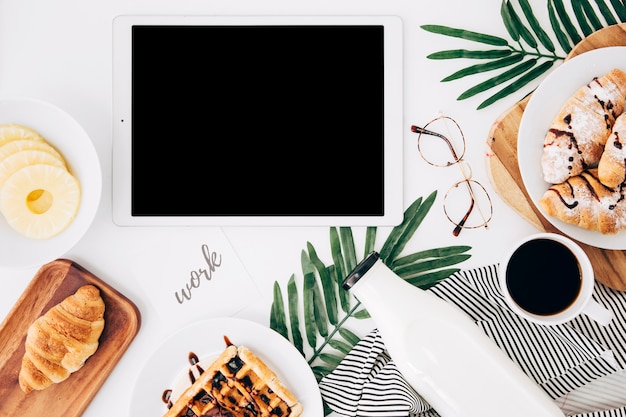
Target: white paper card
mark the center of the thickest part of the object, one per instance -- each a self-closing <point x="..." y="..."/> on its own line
<point x="193" y="275"/>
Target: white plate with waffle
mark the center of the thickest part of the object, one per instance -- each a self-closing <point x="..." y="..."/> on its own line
<point x="166" y="372"/>
<point x="542" y="107"/>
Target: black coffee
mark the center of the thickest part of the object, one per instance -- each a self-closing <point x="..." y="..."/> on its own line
<point x="543" y="277"/>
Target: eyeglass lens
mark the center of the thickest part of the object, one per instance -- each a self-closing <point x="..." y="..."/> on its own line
<point x="441" y="142"/>
<point x="459" y="199"/>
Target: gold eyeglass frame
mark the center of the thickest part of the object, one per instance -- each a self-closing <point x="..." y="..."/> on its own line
<point x="466" y="172"/>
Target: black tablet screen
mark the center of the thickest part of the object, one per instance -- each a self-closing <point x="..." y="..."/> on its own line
<point x="257" y="121"/>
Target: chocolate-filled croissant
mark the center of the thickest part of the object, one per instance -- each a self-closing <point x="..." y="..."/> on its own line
<point x="612" y="165"/>
<point x="59" y="342"/>
<point x="577" y="135"/>
<point x="585" y="202"/>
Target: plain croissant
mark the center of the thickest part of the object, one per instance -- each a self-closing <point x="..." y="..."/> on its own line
<point x="59" y="342"/>
<point x="585" y="202"/>
<point x="577" y="135"/>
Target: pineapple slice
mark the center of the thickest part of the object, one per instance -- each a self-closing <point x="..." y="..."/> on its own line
<point x="40" y="201"/>
<point x="21" y="159"/>
<point x="14" y="146"/>
<point x="12" y="131"/>
<point x="39" y="197"/>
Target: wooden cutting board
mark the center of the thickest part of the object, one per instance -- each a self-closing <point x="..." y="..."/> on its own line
<point x="52" y="283"/>
<point x="609" y="265"/>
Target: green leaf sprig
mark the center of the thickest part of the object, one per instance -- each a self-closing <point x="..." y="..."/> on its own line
<point x="319" y="314"/>
<point x="531" y="51"/>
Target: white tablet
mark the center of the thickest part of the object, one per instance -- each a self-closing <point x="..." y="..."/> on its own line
<point x="257" y="120"/>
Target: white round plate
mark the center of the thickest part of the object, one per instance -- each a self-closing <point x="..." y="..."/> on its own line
<point x="68" y="137"/>
<point x="206" y="339"/>
<point x="541" y="109"/>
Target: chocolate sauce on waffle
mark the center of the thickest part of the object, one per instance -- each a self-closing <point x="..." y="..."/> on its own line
<point x="233" y="388"/>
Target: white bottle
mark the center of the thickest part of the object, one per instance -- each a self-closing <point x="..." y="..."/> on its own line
<point x="441" y="352"/>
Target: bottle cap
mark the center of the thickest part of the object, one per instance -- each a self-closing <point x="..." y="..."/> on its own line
<point x="360" y="270"/>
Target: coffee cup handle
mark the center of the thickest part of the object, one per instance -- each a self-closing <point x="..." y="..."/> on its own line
<point x="598" y="313"/>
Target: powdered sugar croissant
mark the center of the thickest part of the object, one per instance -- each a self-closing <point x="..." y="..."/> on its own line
<point x="576" y="138"/>
<point x="585" y="202"/>
<point x="612" y="165"/>
<point x="59" y="342"/>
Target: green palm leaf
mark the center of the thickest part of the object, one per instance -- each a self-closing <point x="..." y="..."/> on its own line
<point x="338" y="270"/>
<point x="561" y="36"/>
<point x="335" y="249"/>
<point x="331" y="360"/>
<point x="292" y="296"/>
<point x="534" y="24"/>
<point x="514" y="20"/>
<point x="586" y="17"/>
<point x="430" y="265"/>
<point x="464" y="53"/>
<point x="466" y="34"/>
<point x="509" y="25"/>
<point x="347" y="245"/>
<point x="361" y="314"/>
<point x="488" y="66"/>
<point x="340" y="345"/>
<point x="567" y="22"/>
<point x="428" y="279"/>
<point x="591" y="14"/>
<point x="530" y="53"/>
<point x="519" y="83"/>
<point x="309" y="301"/>
<point x="499" y="79"/>
<point x="620" y="9"/>
<point x="328" y="285"/>
<point x="277" y="316"/>
<point x="606" y="12"/>
<point x="370" y="240"/>
<point x="349" y="336"/>
<point x="428" y="254"/>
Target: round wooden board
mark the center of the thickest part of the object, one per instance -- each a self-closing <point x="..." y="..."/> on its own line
<point x="609" y="265"/>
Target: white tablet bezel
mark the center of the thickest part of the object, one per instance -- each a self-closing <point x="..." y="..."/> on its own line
<point x="122" y="122"/>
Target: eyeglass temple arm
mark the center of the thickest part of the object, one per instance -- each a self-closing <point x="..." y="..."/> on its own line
<point x="459" y="226"/>
<point x="417" y="129"/>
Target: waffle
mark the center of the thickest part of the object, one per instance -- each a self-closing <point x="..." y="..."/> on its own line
<point x="237" y="384"/>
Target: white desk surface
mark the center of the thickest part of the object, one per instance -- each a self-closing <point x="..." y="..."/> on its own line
<point x="60" y="51"/>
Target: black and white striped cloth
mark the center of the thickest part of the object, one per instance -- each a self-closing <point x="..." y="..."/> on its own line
<point x="580" y="364"/>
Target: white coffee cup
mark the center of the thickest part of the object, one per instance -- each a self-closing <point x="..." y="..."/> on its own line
<point x="547" y="278"/>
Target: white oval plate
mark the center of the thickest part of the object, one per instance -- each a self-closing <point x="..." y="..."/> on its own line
<point x="69" y="138"/>
<point x="541" y="109"/>
<point x="206" y="339"/>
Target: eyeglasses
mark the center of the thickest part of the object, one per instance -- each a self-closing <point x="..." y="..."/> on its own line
<point x="441" y="143"/>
